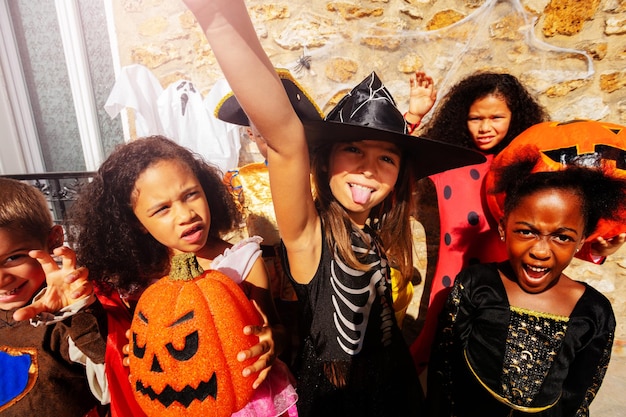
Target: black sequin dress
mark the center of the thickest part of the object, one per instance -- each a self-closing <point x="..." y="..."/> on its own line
<point x="493" y="359"/>
<point x="353" y="359"/>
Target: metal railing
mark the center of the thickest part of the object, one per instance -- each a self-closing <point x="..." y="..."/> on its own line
<point x="59" y="188"/>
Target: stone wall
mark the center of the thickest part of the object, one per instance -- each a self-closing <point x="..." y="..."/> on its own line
<point x="570" y="53"/>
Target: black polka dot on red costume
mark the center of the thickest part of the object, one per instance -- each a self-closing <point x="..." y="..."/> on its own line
<point x="446" y="281"/>
<point x="447" y="238"/>
<point x="474" y="174"/>
<point x="447" y="192"/>
<point x="472" y="218"/>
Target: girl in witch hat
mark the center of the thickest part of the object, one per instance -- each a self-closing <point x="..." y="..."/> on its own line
<point x="339" y="242"/>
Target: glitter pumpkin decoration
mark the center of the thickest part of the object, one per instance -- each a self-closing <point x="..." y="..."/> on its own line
<point x="556" y="145"/>
<point x="185" y="336"/>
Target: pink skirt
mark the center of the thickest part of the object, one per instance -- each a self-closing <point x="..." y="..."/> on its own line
<point x="275" y="397"/>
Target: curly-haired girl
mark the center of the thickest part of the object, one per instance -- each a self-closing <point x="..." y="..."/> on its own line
<point x="485" y="105"/>
<point x="520" y="337"/>
<point x="152" y="199"/>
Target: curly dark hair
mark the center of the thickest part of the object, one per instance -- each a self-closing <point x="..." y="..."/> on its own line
<point x="602" y="196"/>
<point x="449" y="122"/>
<point x="106" y="234"/>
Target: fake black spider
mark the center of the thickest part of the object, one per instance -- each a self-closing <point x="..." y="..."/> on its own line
<point x="303" y="62"/>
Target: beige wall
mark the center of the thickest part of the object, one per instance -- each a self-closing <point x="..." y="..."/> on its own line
<point x="572" y="57"/>
<point x="347" y="40"/>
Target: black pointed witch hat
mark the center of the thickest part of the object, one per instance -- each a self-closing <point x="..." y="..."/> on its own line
<point x="369" y="112"/>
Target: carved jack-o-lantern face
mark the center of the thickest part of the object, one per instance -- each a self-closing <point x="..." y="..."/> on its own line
<point x="184" y="345"/>
<point x="556" y="145"/>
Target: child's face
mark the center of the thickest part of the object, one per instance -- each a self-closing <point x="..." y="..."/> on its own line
<point x="171" y="205"/>
<point x="20" y="275"/>
<point x="488" y="121"/>
<point x="542" y="234"/>
<point x="362" y="174"/>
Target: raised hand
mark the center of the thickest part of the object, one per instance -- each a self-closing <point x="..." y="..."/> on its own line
<point x="606" y="247"/>
<point x="422" y="96"/>
<point x="64" y="285"/>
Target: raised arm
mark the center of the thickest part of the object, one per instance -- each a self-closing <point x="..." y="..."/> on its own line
<point x="422" y="98"/>
<point x="258" y="89"/>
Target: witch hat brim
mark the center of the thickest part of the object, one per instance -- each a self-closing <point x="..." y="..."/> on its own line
<point x="369" y="112"/>
<point x="425" y="156"/>
<point x="229" y="110"/>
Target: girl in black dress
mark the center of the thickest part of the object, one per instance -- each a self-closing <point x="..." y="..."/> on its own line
<point x="520" y="337"/>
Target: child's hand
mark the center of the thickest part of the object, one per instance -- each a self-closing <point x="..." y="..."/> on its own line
<point x="64" y="285"/>
<point x="126" y="350"/>
<point x="264" y="350"/>
<point x="606" y="247"/>
<point x="422" y="97"/>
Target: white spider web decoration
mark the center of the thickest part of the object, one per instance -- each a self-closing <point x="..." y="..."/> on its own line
<point x="498" y="36"/>
<point x="488" y="44"/>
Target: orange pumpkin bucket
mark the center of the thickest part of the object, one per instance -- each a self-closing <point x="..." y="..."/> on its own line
<point x="555" y="145"/>
<point x="186" y="332"/>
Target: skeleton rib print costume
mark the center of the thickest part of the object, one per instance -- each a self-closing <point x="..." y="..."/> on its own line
<point x="352" y="305"/>
<point x="353" y="353"/>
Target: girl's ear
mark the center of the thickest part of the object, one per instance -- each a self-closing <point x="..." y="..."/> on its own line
<point x="581" y="243"/>
<point x="55" y="237"/>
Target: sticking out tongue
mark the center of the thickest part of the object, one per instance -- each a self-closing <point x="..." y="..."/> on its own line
<point x="360" y="195"/>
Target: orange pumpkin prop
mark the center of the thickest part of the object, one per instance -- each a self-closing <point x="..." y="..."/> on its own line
<point x="554" y="145"/>
<point x="186" y="333"/>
